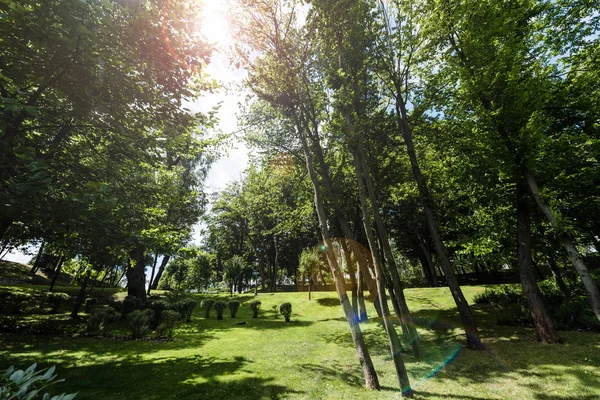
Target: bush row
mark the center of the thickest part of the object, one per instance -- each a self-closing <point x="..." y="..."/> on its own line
<point x="219" y="306"/>
<point x="572" y="312"/>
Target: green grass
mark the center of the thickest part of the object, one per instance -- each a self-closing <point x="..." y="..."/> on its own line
<point x="313" y="358"/>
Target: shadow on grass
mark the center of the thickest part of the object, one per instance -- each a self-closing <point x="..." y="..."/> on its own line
<point x="181" y="378"/>
<point x="329" y="302"/>
<point x="334" y="372"/>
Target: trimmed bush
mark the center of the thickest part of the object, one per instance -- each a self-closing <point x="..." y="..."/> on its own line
<point x="206" y="305"/>
<point x="511" y="306"/>
<point x="101" y="321"/>
<point x="55" y="300"/>
<point x="167" y="323"/>
<point x="28" y="384"/>
<point x="220" y="306"/>
<point x="255" y="306"/>
<point x="139" y="322"/>
<point x="139" y="304"/>
<point x="158" y="306"/>
<point x="187" y="308"/>
<point x="234" y="306"/>
<point x="286" y="310"/>
<point x="128" y="306"/>
<point x="90" y="303"/>
<point x="12" y="302"/>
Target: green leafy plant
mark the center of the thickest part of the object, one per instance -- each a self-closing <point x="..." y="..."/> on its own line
<point x="26" y="385"/>
<point x="255" y="306"/>
<point x="167" y="323"/>
<point x="128" y="306"/>
<point x="206" y="305"/>
<point x="139" y="322"/>
<point x="220" y="306"/>
<point x="55" y="300"/>
<point x="12" y="302"/>
<point x="101" y="321"/>
<point x="234" y="306"/>
<point x="90" y="303"/>
<point x="186" y="308"/>
<point x="158" y="306"/>
<point x="286" y="310"/>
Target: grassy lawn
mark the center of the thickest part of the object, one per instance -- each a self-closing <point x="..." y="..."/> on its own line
<point x="313" y="358"/>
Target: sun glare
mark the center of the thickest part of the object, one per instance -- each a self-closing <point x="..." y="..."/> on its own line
<point x="215" y="26"/>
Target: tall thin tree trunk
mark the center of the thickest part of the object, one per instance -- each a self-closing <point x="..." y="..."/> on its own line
<point x="161" y="270"/>
<point x="371" y="380"/>
<point x="56" y="273"/>
<point x="567" y="242"/>
<point x="81" y="295"/>
<point x="36" y="263"/>
<point x="464" y="310"/>
<point x="152" y="273"/>
<point x="352" y="273"/>
<point x="398" y="289"/>
<point x="395" y="345"/>
<point x="543" y="324"/>
<point x="362" y="308"/>
<point x="562" y="286"/>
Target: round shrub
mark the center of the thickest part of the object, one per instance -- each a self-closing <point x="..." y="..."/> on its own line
<point x="55" y="300"/>
<point x="12" y="302"/>
<point x="158" y="306"/>
<point x="139" y="322"/>
<point x="220" y="306"/>
<point x="90" y="303"/>
<point x="139" y="304"/>
<point x="255" y="306"/>
<point x="189" y="306"/>
<point x="167" y="323"/>
<point x="100" y="322"/>
<point x="234" y="306"/>
<point x="128" y="306"/>
<point x="286" y="310"/>
<point x="206" y="305"/>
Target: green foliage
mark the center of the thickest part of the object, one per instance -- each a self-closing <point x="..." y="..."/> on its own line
<point x="90" y="303"/>
<point x="286" y="310"/>
<point x="233" y="305"/>
<point x="16" y="384"/>
<point x="158" y="306"/>
<point x="511" y="306"/>
<point x="206" y="306"/>
<point x="55" y="299"/>
<point x="11" y="302"/>
<point x="129" y="306"/>
<point x="139" y="322"/>
<point x="185" y="309"/>
<point x="255" y="306"/>
<point x="219" y="307"/>
<point x="168" y="320"/>
<point x="100" y="322"/>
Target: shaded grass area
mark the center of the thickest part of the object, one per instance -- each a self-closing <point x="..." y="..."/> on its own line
<point x="313" y="357"/>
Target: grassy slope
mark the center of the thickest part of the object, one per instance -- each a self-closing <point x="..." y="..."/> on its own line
<point x="313" y="358"/>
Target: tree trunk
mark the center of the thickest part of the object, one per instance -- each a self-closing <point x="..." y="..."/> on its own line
<point x="543" y="324"/>
<point x="161" y="270"/>
<point x="81" y="295"/>
<point x="152" y="273"/>
<point x="136" y="276"/>
<point x="362" y="308"/>
<point x="567" y="242"/>
<point x="352" y="273"/>
<point x="56" y="273"/>
<point x="371" y="380"/>
<point x="398" y="287"/>
<point x="464" y="310"/>
<point x="394" y="342"/>
<point x="36" y="264"/>
<point x="562" y="286"/>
